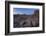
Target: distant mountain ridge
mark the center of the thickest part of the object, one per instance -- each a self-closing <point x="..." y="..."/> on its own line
<point x="27" y="20"/>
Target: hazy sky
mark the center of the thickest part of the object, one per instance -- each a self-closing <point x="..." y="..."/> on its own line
<point x="27" y="11"/>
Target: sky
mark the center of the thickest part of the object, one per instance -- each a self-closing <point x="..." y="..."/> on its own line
<point x="27" y="11"/>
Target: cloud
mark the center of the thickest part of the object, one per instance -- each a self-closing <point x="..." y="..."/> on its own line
<point x="23" y="13"/>
<point x="17" y="13"/>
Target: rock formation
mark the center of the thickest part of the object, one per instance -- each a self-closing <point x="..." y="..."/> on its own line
<point x="27" y="20"/>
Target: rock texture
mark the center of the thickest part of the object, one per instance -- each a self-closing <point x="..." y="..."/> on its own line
<point x="26" y="20"/>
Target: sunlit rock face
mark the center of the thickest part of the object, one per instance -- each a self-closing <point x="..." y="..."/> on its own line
<point x="27" y="20"/>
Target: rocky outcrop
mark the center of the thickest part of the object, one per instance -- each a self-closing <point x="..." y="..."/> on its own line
<point x="27" y="20"/>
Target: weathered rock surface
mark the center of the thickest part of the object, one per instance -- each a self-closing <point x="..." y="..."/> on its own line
<point x="27" y="20"/>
